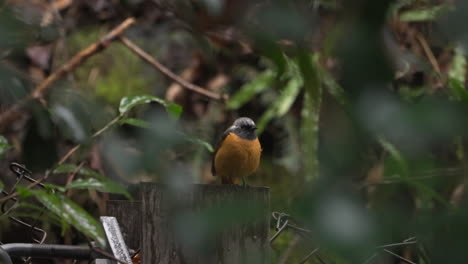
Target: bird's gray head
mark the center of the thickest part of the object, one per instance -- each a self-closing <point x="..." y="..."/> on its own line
<point x="245" y="128"/>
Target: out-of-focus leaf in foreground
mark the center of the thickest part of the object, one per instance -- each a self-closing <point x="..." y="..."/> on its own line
<point x="70" y="212"/>
<point x="129" y="102"/>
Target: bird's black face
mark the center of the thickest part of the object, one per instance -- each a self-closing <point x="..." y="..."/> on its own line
<point x="244" y="127"/>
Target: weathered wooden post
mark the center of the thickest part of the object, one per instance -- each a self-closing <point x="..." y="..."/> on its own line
<point x="128" y="214"/>
<point x="197" y="224"/>
<point x="205" y="224"/>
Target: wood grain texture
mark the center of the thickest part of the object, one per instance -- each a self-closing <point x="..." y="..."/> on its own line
<point x="128" y="214"/>
<point x="205" y="224"/>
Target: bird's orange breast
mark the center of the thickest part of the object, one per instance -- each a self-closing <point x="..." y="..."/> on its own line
<point x="237" y="157"/>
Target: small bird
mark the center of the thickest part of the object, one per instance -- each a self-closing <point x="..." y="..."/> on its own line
<point x="238" y="153"/>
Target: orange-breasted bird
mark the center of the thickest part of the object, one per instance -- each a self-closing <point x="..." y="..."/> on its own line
<point x="238" y="153"/>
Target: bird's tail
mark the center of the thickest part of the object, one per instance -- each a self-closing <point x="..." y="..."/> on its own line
<point x="230" y="180"/>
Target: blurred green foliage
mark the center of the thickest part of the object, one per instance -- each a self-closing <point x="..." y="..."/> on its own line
<point x="363" y="152"/>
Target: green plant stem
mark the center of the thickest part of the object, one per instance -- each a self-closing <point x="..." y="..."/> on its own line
<point x="98" y="133"/>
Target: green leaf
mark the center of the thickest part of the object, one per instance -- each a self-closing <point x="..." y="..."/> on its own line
<point x="285" y="100"/>
<point x="23" y="192"/>
<point x="250" y="89"/>
<point x="72" y="168"/>
<point x="38" y="212"/>
<point x="72" y="214"/>
<point x="4" y="146"/>
<point x="396" y="155"/>
<point x="102" y="184"/>
<point x="197" y="141"/>
<point x="422" y="15"/>
<point x="411" y="94"/>
<point x="457" y="75"/>
<point x="52" y="187"/>
<point x="1" y="186"/>
<point x="97" y="181"/>
<point x="289" y="95"/>
<point x="397" y="5"/>
<point x="136" y="122"/>
<point x="310" y="113"/>
<point x="282" y="104"/>
<point x="129" y="102"/>
<point x="404" y="174"/>
<point x="332" y="86"/>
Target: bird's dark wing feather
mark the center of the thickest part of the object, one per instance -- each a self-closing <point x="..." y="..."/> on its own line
<point x="220" y="141"/>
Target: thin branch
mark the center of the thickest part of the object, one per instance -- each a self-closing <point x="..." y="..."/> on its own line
<point x="72" y="175"/>
<point x="81" y="57"/>
<point x="10" y="114"/>
<point x="399" y="257"/>
<point x="75" y="148"/>
<point x="309" y="255"/>
<point x="368" y="260"/>
<point x="151" y="60"/>
<point x="287" y="253"/>
<point x="410" y="241"/>
<point x="429" y="53"/>
<point x="102" y="252"/>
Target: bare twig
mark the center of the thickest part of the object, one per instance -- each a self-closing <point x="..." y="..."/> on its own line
<point x="151" y="60"/>
<point x="399" y="257"/>
<point x="40" y="90"/>
<point x="409" y="241"/>
<point x="309" y="255"/>
<point x="82" y="56"/>
<point x="369" y="259"/>
<point x="102" y="252"/>
<point x="72" y="175"/>
<point x="428" y="51"/>
<point x="287" y="253"/>
<point x="75" y="148"/>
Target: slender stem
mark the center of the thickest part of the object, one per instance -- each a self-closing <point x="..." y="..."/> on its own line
<point x="98" y="133"/>
<point x="161" y="68"/>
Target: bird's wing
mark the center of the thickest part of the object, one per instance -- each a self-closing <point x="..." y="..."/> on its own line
<point x="220" y="141"/>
